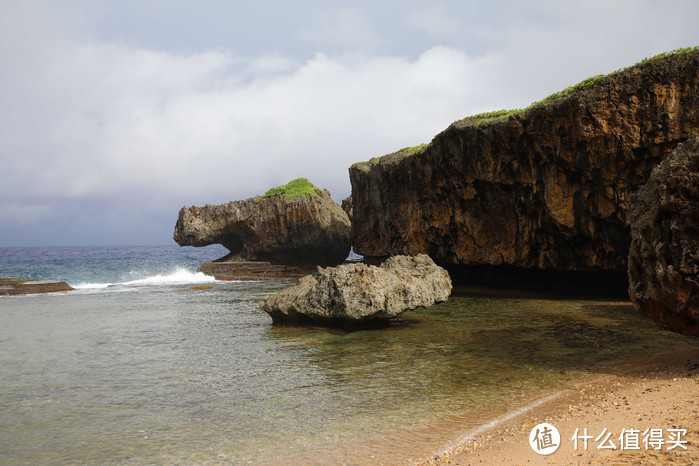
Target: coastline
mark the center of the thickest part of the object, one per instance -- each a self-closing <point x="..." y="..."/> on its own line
<point x="450" y="429"/>
<point x="658" y="392"/>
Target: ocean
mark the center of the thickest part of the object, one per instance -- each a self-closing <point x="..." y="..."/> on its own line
<point x="148" y="361"/>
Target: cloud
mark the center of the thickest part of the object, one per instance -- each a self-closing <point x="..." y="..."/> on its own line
<point x="104" y="118"/>
<point x="435" y="20"/>
<point x="101" y="121"/>
<point x="344" y="28"/>
<point x="115" y="129"/>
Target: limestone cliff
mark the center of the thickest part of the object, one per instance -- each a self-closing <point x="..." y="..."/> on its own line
<point x="309" y="229"/>
<point x="546" y="188"/>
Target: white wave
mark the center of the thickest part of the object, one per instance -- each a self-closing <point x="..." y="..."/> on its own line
<point x="91" y="286"/>
<point x="179" y="276"/>
<point x="451" y="446"/>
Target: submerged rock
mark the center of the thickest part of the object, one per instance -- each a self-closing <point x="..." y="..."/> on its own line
<point x="18" y="286"/>
<point x="304" y="229"/>
<point x="664" y="252"/>
<point x="358" y="294"/>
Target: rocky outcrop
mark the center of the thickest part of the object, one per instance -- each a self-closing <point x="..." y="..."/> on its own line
<point x="664" y="253"/>
<point x="310" y="229"/>
<point x="18" y="286"/>
<point x="347" y="206"/>
<point x="547" y="188"/>
<point x="360" y="294"/>
<point x="250" y="270"/>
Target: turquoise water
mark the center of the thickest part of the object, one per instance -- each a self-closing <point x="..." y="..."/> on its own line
<point x="150" y="370"/>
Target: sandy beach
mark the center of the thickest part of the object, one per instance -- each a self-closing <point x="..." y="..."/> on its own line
<point x="651" y="400"/>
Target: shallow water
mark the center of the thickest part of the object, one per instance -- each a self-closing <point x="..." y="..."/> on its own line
<point x="153" y="373"/>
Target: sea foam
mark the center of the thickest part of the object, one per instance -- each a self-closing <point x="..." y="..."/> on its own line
<point x="179" y="276"/>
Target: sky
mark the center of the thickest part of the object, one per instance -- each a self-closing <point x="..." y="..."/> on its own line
<point x="115" y="114"/>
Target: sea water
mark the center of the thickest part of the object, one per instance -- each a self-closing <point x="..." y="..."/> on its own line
<point x="148" y="361"/>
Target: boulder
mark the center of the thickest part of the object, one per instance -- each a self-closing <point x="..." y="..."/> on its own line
<point x="306" y="228"/>
<point x="359" y="294"/>
<point x="664" y="253"/>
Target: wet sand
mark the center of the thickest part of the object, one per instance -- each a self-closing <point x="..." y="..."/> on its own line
<point x="661" y="392"/>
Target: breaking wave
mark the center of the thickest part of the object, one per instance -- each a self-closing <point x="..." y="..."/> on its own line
<point x="179" y="276"/>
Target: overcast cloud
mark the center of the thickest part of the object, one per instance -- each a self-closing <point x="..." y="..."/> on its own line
<point x="115" y="114"/>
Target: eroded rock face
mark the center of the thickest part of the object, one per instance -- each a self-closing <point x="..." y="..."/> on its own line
<point x="347" y="206"/>
<point x="664" y="253"/>
<point x="358" y="294"/>
<point x="307" y="230"/>
<point x="547" y="189"/>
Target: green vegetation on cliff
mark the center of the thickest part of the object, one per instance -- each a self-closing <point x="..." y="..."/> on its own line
<point x="501" y="114"/>
<point x="681" y="51"/>
<point x="412" y="150"/>
<point x="585" y="84"/>
<point x="403" y="151"/>
<point x="293" y="189"/>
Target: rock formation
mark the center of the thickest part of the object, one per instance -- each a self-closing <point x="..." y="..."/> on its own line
<point x="250" y="270"/>
<point x="18" y="286"/>
<point x="546" y="188"/>
<point x="310" y="229"/>
<point x="359" y="294"/>
<point x="347" y="206"/>
<point x="664" y="253"/>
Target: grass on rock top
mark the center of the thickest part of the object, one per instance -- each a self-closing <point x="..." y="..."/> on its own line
<point x="412" y="150"/>
<point x="403" y="151"/>
<point x="293" y="189"/>
<point x="500" y="114"/>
